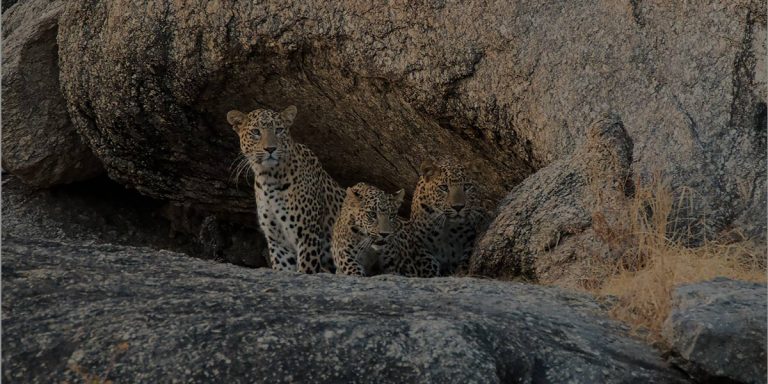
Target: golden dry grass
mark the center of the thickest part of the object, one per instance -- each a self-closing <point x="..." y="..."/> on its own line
<point x="650" y="264"/>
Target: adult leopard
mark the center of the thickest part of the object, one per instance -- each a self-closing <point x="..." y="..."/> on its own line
<point x="297" y="201"/>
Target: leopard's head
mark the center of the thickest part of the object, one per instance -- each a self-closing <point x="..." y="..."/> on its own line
<point x="264" y="134"/>
<point x="373" y="212"/>
<point x="444" y="189"/>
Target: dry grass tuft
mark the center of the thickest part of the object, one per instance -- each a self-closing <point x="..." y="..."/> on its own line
<point x="650" y="264"/>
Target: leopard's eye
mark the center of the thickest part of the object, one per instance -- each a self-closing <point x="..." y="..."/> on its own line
<point x="469" y="187"/>
<point x="256" y="134"/>
<point x="279" y="130"/>
<point x="371" y="216"/>
<point x="443" y="188"/>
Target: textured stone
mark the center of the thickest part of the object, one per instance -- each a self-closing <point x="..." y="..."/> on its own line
<point x="717" y="330"/>
<point x="509" y="86"/>
<point x="9" y="3"/>
<point x="543" y="229"/>
<point x="39" y="143"/>
<point x="137" y="315"/>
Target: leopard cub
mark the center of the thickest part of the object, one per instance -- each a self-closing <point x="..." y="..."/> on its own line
<point x="446" y="218"/>
<point x="364" y="229"/>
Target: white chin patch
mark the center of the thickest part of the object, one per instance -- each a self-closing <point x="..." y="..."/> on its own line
<point x="270" y="162"/>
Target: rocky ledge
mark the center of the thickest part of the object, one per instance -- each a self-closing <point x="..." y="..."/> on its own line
<point x="717" y="331"/>
<point x="76" y="311"/>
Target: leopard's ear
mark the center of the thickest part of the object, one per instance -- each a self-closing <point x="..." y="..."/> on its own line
<point x="399" y="195"/>
<point x="427" y="169"/>
<point x="353" y="197"/>
<point x="235" y="118"/>
<point x="474" y="169"/>
<point x="289" y="114"/>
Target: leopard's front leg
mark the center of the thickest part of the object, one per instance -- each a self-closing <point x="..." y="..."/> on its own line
<point x="280" y="256"/>
<point x="309" y="248"/>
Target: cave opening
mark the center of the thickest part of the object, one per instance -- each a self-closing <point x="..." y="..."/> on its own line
<point x="101" y="211"/>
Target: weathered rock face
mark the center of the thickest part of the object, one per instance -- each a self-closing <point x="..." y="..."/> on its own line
<point x="8" y="3"/>
<point x="509" y="86"/>
<point x="39" y="143"/>
<point x="137" y="315"/>
<point x="717" y="330"/>
<point x="543" y="229"/>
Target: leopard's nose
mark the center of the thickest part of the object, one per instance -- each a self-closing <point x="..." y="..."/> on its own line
<point x="458" y="207"/>
<point x="270" y="149"/>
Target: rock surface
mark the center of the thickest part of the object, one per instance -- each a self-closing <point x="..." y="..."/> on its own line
<point x="511" y="87"/>
<point x="7" y="4"/>
<point x="137" y="315"/>
<point x="717" y="330"/>
<point x="543" y="229"/>
<point x="39" y="143"/>
<point x="101" y="211"/>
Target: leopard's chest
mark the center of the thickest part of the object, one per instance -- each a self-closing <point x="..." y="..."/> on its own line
<point x="278" y="215"/>
<point x="444" y="239"/>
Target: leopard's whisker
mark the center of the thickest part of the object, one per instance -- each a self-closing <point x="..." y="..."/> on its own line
<point x="236" y="160"/>
<point x="243" y="166"/>
<point x="363" y="244"/>
<point x="248" y="171"/>
<point x="235" y="164"/>
<point x="238" y="168"/>
<point x="360" y="244"/>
